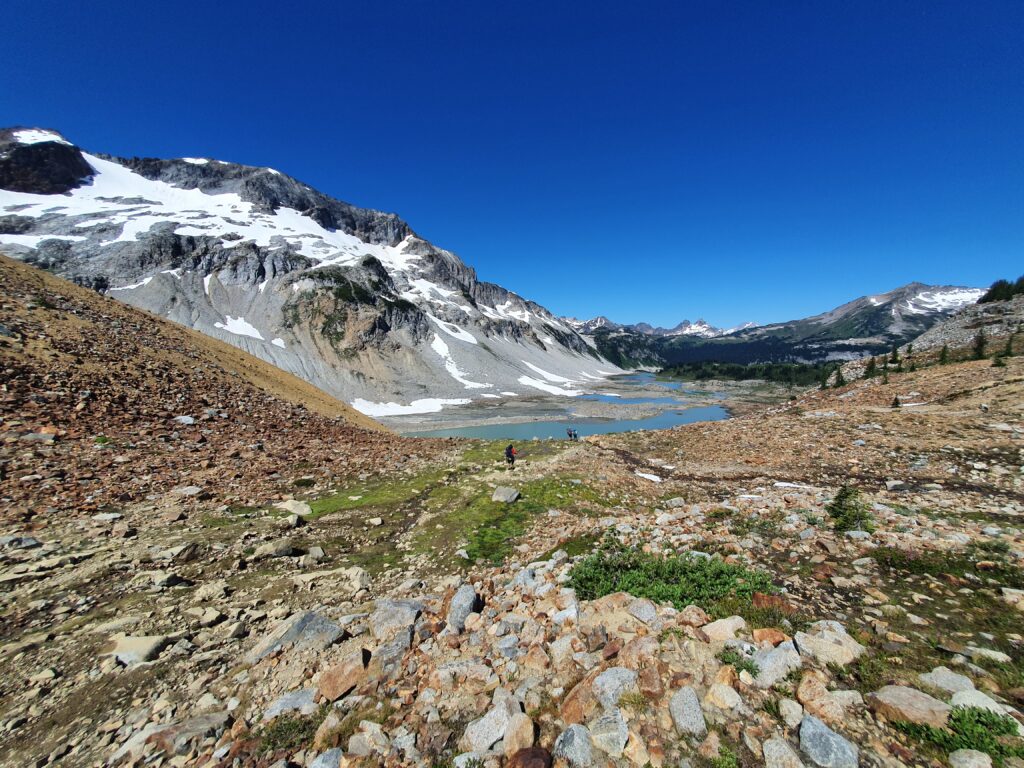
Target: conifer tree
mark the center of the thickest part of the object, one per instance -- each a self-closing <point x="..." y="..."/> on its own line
<point x="944" y="355"/>
<point x="980" y="342"/>
<point x="871" y="370"/>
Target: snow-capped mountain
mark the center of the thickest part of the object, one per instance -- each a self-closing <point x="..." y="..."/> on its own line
<point x="348" y="298"/>
<point x="868" y="325"/>
<point x="700" y="328"/>
<point x="589" y="326"/>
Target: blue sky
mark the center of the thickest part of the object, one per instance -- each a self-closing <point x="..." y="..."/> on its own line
<point x="647" y="161"/>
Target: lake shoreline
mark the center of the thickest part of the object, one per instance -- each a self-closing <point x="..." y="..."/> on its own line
<point x="638" y="401"/>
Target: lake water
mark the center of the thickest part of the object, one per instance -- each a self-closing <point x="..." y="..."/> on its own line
<point x="556" y="429"/>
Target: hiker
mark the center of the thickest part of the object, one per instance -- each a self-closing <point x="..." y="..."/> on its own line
<point x="568" y="434"/>
<point x="510" y="456"/>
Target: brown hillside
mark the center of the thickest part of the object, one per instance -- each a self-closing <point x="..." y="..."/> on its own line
<point x="90" y="389"/>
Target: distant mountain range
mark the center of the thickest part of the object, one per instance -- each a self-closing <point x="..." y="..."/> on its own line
<point x="868" y="325"/>
<point x="699" y="328"/>
<point x="350" y="299"/>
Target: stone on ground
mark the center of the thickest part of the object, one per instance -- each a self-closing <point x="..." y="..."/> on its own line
<point x="824" y="747"/>
<point x="898" y="702"/>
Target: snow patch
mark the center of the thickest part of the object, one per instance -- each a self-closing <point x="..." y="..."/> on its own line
<point x="36" y="136"/>
<point x="278" y="342"/>
<point x="943" y="301"/>
<point x="133" y="286"/>
<point x="554" y="377"/>
<point x="206" y="284"/>
<point x="646" y="476"/>
<point x="240" y="327"/>
<point x="33" y="241"/>
<point x="441" y="348"/>
<point x="196" y="160"/>
<point x="426" y="405"/>
<point x="545" y="387"/>
<point x="453" y="330"/>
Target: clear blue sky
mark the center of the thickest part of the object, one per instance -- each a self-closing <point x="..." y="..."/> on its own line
<point x="648" y="161"/>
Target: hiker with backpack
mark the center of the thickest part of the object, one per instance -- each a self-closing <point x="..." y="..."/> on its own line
<point x="510" y="456"/>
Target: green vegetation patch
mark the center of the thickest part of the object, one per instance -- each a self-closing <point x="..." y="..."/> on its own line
<point x="960" y="564"/>
<point x="971" y="728"/>
<point x="288" y="732"/>
<point x="738" y="661"/>
<point x="490" y="527"/>
<point x="679" y="579"/>
<point x="379" y="493"/>
<point x="578" y="545"/>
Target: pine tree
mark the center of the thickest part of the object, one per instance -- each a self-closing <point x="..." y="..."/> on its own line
<point x="894" y="358"/>
<point x="871" y="370"/>
<point x="980" y="342"/>
<point x="840" y="381"/>
<point x="944" y="355"/>
<point x="998" y="362"/>
<point x="1008" y="349"/>
<point x="885" y="376"/>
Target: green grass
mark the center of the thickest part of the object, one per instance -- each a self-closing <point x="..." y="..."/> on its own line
<point x="726" y="759"/>
<point x="289" y="732"/>
<point x="379" y="493"/>
<point x="971" y="728"/>
<point x="762" y="525"/>
<point x="738" y="661"/>
<point x="578" y="545"/>
<point x="759" y="617"/>
<point x="679" y="579"/>
<point x="490" y="528"/>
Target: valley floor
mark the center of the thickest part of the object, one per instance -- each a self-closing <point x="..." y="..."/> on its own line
<point x="238" y="591"/>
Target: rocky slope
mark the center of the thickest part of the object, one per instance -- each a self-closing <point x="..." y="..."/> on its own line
<point x="349" y="299"/>
<point x="868" y="325"/>
<point x="102" y="404"/>
<point x="430" y="617"/>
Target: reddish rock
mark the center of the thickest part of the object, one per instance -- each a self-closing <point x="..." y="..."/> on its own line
<point x="770" y="635"/>
<point x="339" y="679"/>
<point x="534" y="757"/>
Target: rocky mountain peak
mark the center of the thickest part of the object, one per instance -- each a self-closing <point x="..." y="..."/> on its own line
<point x="40" y="162"/>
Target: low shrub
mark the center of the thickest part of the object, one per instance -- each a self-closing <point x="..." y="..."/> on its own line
<point x="682" y="580"/>
<point x="971" y="728"/>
